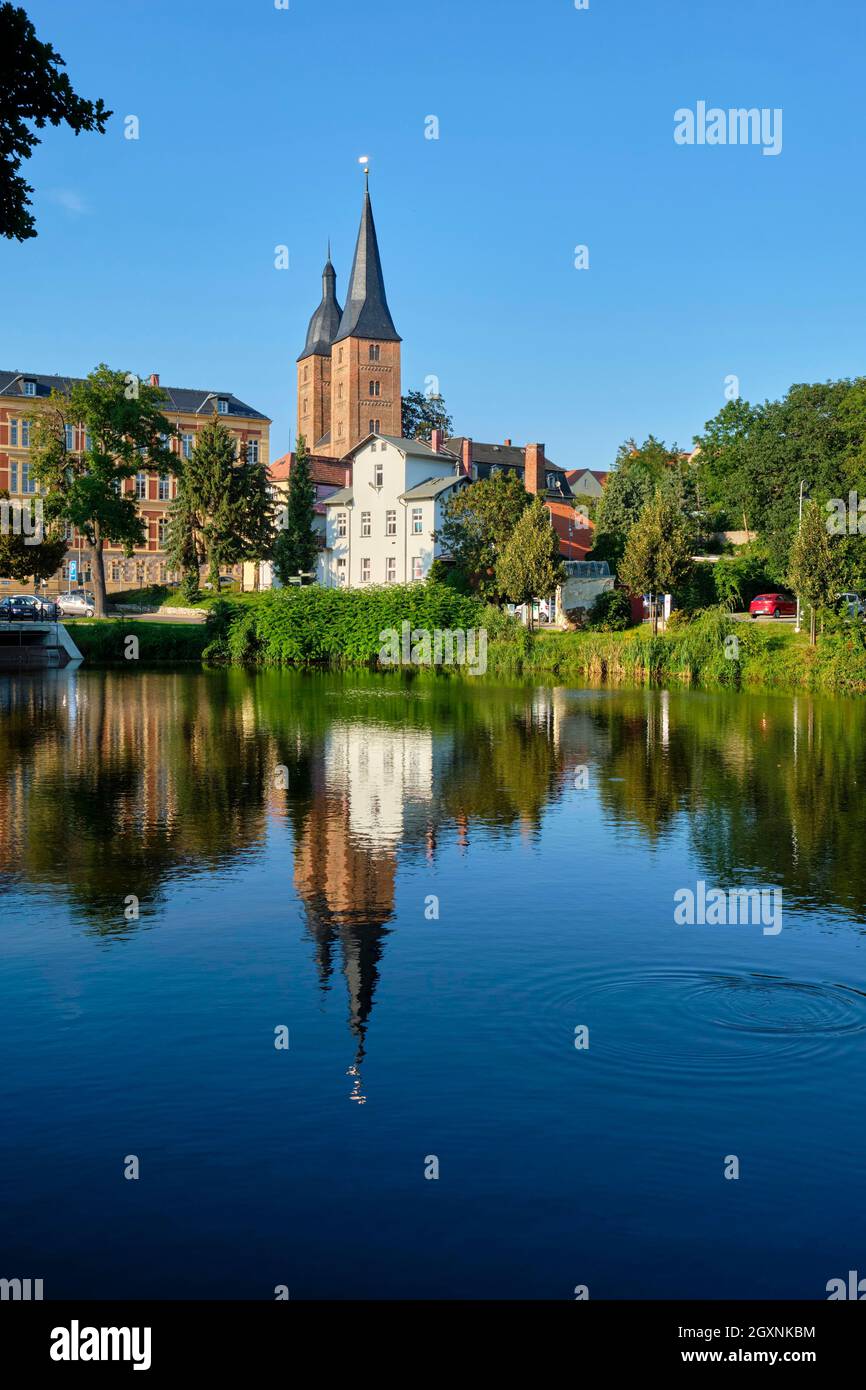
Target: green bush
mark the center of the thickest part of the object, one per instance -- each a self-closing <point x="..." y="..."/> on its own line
<point x="611" y="612"/>
<point x="104" y="642"/>
<point x="340" y="627"/>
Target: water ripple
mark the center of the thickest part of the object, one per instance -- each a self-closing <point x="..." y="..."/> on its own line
<point x="690" y="1022"/>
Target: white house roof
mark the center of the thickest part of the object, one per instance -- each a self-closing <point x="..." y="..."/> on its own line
<point x="431" y="487"/>
<point x="416" y="447"/>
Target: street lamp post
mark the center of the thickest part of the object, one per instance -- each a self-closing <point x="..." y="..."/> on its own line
<point x="799" y="529"/>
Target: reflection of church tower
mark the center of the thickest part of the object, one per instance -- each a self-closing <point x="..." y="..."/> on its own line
<point x="349" y="897"/>
<point x="367" y="796"/>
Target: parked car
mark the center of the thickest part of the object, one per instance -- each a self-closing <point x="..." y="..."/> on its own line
<point x="77" y="603"/>
<point x="851" y="605"/>
<point x="773" y="606"/>
<point x="39" y="610"/>
<point x="18" y="608"/>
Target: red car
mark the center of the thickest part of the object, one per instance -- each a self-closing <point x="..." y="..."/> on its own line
<point x="773" y="606"/>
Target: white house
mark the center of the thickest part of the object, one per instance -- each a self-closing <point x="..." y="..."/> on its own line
<point x="381" y="529"/>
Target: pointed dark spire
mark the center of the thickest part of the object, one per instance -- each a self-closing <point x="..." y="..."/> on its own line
<point x="367" y="314"/>
<point x="326" y="320"/>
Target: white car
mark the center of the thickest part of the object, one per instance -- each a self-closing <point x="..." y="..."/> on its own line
<point x="852" y="604"/>
<point x="77" y="603"/>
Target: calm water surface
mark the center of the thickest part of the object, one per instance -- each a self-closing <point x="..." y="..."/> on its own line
<point x="288" y="837"/>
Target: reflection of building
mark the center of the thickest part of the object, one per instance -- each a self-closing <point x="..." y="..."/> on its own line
<point x="371" y="794"/>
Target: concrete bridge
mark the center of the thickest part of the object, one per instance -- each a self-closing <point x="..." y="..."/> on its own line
<point x="30" y="646"/>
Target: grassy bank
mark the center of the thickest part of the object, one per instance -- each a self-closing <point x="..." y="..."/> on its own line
<point x="342" y="628"/>
<point x="105" y="642"/>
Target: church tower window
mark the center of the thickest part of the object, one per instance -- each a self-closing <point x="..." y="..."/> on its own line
<point x="374" y="352"/>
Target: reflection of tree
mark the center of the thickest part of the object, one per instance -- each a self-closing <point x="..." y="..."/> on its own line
<point x="111" y="784"/>
<point x="132" y="777"/>
<point x="770" y="786"/>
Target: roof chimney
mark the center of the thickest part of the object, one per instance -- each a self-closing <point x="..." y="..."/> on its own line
<point x="154" y="378"/>
<point x="535" y="469"/>
<point x="508" y="443"/>
<point x="466" y="458"/>
<point x="437" y="439"/>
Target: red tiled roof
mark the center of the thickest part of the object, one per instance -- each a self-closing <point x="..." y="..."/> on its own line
<point x="327" y="471"/>
<point x="574" y="542"/>
<point x="572" y="474"/>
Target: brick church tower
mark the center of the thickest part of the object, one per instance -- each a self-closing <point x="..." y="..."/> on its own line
<point x="349" y="372"/>
<point x="314" y="365"/>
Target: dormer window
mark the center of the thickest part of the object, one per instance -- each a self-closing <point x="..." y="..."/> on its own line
<point x="550" y="480"/>
<point x="29" y="386"/>
<point x="222" y="405"/>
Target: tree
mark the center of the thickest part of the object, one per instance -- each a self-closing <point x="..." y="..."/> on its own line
<point x="530" y="566"/>
<point x="118" y="420"/>
<point x="754" y="459"/>
<point x="297" y="546"/>
<point x="37" y="555"/>
<point x="626" y="494"/>
<point x="658" y="554"/>
<point x="32" y="89"/>
<point x="814" y="571"/>
<point x="222" y="513"/>
<point x="422" y="413"/>
<point x="477" y="524"/>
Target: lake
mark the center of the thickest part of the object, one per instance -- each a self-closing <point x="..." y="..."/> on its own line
<point x="289" y="944"/>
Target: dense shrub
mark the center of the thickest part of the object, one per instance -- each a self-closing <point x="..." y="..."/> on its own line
<point x="311" y="626"/>
<point x="611" y="612"/>
<point x="104" y="643"/>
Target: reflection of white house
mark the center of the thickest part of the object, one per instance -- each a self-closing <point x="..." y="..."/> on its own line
<point x="380" y="530"/>
<point x="385" y="773"/>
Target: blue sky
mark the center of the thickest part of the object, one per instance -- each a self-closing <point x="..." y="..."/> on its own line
<point x="556" y="129"/>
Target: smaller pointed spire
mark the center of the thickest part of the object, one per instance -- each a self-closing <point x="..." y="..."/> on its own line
<point x="326" y="320"/>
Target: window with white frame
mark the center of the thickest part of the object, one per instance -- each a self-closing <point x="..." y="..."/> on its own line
<point x="162" y="530"/>
<point x="341" y="571"/>
<point x="28" y="482"/>
<point x="341" y="525"/>
<point x="88" y="440"/>
<point x="417" y="567"/>
<point x="69" y="433"/>
<point x="140" y="485"/>
<point x="13" y="433"/>
<point x="417" y="520"/>
<point x="29" y="388"/>
<point x="365" y="571"/>
<point x="252" y="451"/>
<point x="390" y="523"/>
<point x="222" y="406"/>
<point x="164" y="487"/>
<point x="186" y="441"/>
<point x="366" y="524"/>
<point x="391" y="570"/>
<point x="378" y="475"/>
